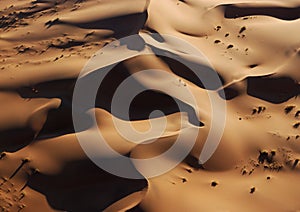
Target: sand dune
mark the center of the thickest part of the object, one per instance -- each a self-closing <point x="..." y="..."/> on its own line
<point x="253" y="46"/>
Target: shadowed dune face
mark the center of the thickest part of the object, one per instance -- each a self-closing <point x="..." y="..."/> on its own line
<point x="233" y="11"/>
<point x="275" y="90"/>
<point x="253" y="47"/>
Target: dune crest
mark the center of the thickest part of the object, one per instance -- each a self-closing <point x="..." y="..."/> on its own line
<point x="253" y="46"/>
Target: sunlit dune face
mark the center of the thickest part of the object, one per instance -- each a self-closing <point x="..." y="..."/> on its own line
<point x="252" y="47"/>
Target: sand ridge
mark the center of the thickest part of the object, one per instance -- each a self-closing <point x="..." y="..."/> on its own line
<point x="254" y="47"/>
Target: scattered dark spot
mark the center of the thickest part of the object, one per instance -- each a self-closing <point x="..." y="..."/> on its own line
<point x="245" y="18"/>
<point x="254" y="111"/>
<point x="240" y="118"/>
<point x="214" y="184"/>
<point x="252" y="190"/>
<point x="25" y="160"/>
<point x="297" y="114"/>
<point x="261" y="109"/>
<point x="22" y="196"/>
<point x="251" y="171"/>
<point x="89" y="34"/>
<point x="273" y="153"/>
<point x="297" y="136"/>
<point x="256" y="164"/>
<point x="67" y="44"/>
<point x="230" y="46"/>
<point x="217" y="41"/>
<point x="296" y="125"/>
<point x="268" y="178"/>
<point x="295" y="163"/>
<point x="184" y="180"/>
<point x="244" y="172"/>
<point x="218" y="28"/>
<point x="263" y="156"/>
<point x="270" y="159"/>
<point x="277" y="167"/>
<point x="2" y="155"/>
<point x="227" y="34"/>
<point x="22" y="49"/>
<point x="35" y="171"/>
<point x="51" y="23"/>
<point x="193" y="162"/>
<point x="20" y="207"/>
<point x="253" y="66"/>
<point x="246" y="49"/>
<point x="288" y="109"/>
<point x="288" y="138"/>
<point x="189" y="170"/>
<point x="242" y="29"/>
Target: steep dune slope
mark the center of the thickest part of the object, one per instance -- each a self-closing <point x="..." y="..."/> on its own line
<point x="254" y="47"/>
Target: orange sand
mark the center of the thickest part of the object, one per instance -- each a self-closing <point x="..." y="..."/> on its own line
<point x="253" y="45"/>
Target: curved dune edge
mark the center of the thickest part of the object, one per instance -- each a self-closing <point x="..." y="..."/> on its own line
<point x="127" y="203"/>
<point x="254" y="47"/>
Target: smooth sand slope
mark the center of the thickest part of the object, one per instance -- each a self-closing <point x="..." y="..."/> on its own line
<point x="253" y="45"/>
